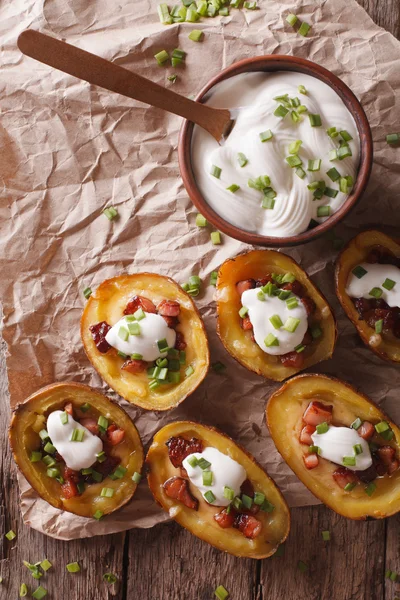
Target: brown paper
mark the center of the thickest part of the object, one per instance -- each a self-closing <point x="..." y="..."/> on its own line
<point x="69" y="150"/>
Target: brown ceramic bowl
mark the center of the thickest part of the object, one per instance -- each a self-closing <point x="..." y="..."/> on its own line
<point x="280" y="63"/>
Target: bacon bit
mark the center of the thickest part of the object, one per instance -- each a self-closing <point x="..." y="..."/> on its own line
<point x="386" y="454"/>
<point x="367" y="475"/>
<point x="311" y="461"/>
<point x="317" y="413"/>
<point x="396" y="329"/>
<point x="172" y="322"/>
<point x="343" y="476"/>
<point x="362" y="305"/>
<point x="366" y="430"/>
<point x="305" y="435"/>
<point x="309" y="305"/>
<point x="394" y="465"/>
<point x="71" y="474"/>
<point x="373" y="256"/>
<point x="134" y="366"/>
<point x="69" y="489"/>
<point x="115" y="435"/>
<point x="90" y="424"/>
<point x="247" y="488"/>
<point x="248" y="525"/>
<point x="246" y="284"/>
<point x="292" y="359"/>
<point x="99" y="332"/>
<point x="169" y="308"/>
<point x="139" y="302"/>
<point x="108" y="466"/>
<point x="264" y="280"/>
<point x="246" y="324"/>
<point x="307" y="339"/>
<point x="69" y="409"/>
<point x="179" y="448"/>
<point x="178" y="489"/>
<point x="225" y="519"/>
<point x="295" y="287"/>
<point x="180" y="343"/>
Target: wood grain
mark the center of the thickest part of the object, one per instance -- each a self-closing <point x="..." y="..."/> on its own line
<point x="167" y="563"/>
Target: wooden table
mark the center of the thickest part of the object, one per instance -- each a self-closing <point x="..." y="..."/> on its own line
<point x="167" y="563"/>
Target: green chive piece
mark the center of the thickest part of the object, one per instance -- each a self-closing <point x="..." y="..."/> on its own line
<point x="110" y="578"/>
<point x="292" y="303"/>
<point x="36" y="456"/>
<point x="201" y="221"/>
<point x="333" y="174"/>
<point x="356" y="424"/>
<point x="300" y="172"/>
<point x="213" y="278"/>
<point x="331" y="193"/>
<point x="110" y="212"/>
<point x="345" y="135"/>
<point x="118" y="473"/>
<point x="292" y="20"/>
<point x="268" y="203"/>
<point x="39" y="593"/>
<point x="281" y="111"/>
<point x="393" y="576"/>
<point x="102" y="422"/>
<point x="294" y="161"/>
<point x="267" y="506"/>
<point x="107" y="492"/>
<point x="259" y="498"/>
<point x="294" y="147"/>
<point x="182" y="357"/>
<point x="302" y="89"/>
<point x="123" y="333"/>
<point x="73" y="567"/>
<point x="87" y="292"/>
<point x="228" y="493"/>
<point x="216" y="171"/>
<point x="162" y="345"/>
<point x="101" y="456"/>
<point x="302" y="566"/>
<point x="382" y="426"/>
<point x="49" y="461"/>
<point x="44" y="435"/>
<point x="349" y="487"/>
<point x="265" y="136"/>
<point x="161" y="57"/>
<point x="371" y="487"/>
<point x="357" y="449"/>
<point x="139" y="314"/>
<point x="164" y="15"/>
<point x="295" y="116"/>
<point x="172" y="78"/>
<point x="326" y="536"/>
<point x="316" y="332"/>
<point x="359" y="271"/>
<point x="98" y="514"/>
<point x="77" y="435"/>
<point x="304" y="29"/>
<point x="314" y="164"/>
<point x="333" y="155"/>
<point x="250" y="5"/>
<point x="276" y="321"/>
<point x="344" y="152"/>
<point x="314" y="450"/>
<point x="10" y="535"/>
<point x="221" y="593"/>
<point x="291" y="324"/>
<point x="193" y="461"/>
<point x="388" y="284"/>
<point x="393" y="138"/>
<point x="122" y="354"/>
<point x="96" y="476"/>
<point x="376" y="292"/>
<point x="207" y="478"/>
<point x="64" y="417"/>
<point x="23" y="590"/>
<point x="136" y="477"/>
<point x="271" y="340"/>
<point x="203" y="464"/>
<point x="379" y="326"/>
<point x="349" y="461"/>
<point x="209" y="496"/>
<point x="136" y="356"/>
<point x="189" y="371"/>
<point x="322" y="427"/>
<point x="196" y="35"/>
<point x="233" y="188"/>
<point x="302" y="109"/>
<point x="215" y="238"/>
<point x="243" y="311"/>
<point x="323" y="211"/>
<point x="299" y="348"/>
<point x="218" y="367"/>
<point x="247" y="501"/>
<point x="332" y="132"/>
<point x="242" y="160"/>
<point x="315" y="120"/>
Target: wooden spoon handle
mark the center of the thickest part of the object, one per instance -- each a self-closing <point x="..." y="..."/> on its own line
<point x="97" y="70"/>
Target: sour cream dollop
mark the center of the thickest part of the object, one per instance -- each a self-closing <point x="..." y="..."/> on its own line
<point x="375" y="276"/>
<point x="225" y="470"/>
<point x="339" y="442"/>
<point x="252" y="95"/>
<point x="77" y="455"/>
<point x="260" y="312"/>
<point x="153" y="328"/>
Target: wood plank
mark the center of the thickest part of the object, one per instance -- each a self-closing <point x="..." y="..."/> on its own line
<point x="385" y="13"/>
<point x="96" y="555"/>
<point x="392" y="556"/>
<point x="168" y="563"/>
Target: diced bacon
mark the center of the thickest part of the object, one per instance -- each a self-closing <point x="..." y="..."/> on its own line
<point x="69" y="409"/>
<point x="139" y="302"/>
<point x="366" y="430"/>
<point x="367" y="475"/>
<point x="134" y="366"/>
<point x="344" y="476"/>
<point x="307" y="339"/>
<point x="248" y="525"/>
<point x="114" y="435"/>
<point x="295" y="287"/>
<point x="292" y="360"/>
<point x="373" y="256"/>
<point x="305" y="435"/>
<point x="90" y="424"/>
<point x="178" y="489"/>
<point x="71" y="474"/>
<point x="264" y="280"/>
<point x="246" y="324"/>
<point x="224" y="519"/>
<point x="99" y="332"/>
<point x="309" y="305"/>
<point x="69" y="489"/>
<point x="317" y="413"/>
<point x="246" y="284"/>
<point x="362" y="305"/>
<point x="108" y="466"/>
<point x="169" y="308"/>
<point x="179" y="448"/>
<point x="311" y="461"/>
<point x="394" y="465"/>
<point x="172" y="322"/>
<point x="180" y="343"/>
<point x="247" y="488"/>
<point x="386" y="454"/>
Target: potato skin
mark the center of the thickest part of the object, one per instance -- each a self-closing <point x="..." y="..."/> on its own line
<point x="23" y="439"/>
<point x="355" y="252"/>
<point x="108" y="303"/>
<point x="284" y="412"/>
<point x="256" y="264"/>
<point x="201" y="523"/>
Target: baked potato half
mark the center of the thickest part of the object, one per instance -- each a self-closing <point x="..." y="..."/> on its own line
<point x="375" y="247"/>
<point x="272" y="524"/>
<point x="122" y="296"/>
<point x="353" y="494"/>
<point x="257" y="266"/>
<point x="77" y="492"/>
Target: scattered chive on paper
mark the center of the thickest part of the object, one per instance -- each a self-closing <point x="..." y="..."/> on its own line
<point x="87" y="292"/>
<point x="110" y="212"/>
<point x="393" y="138"/>
<point x="161" y="57"/>
<point x="200" y="220"/>
<point x="172" y="78"/>
<point x="215" y="238"/>
<point x="196" y="35"/>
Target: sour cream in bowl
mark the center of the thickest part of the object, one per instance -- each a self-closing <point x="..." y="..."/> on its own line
<point x="297" y="159"/>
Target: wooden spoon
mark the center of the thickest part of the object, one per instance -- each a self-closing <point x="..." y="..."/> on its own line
<point x="106" y="74"/>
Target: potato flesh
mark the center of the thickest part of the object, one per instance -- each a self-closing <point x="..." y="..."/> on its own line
<point x="284" y="416"/>
<point x="108" y="304"/>
<point x="386" y="346"/>
<point x="201" y="523"/>
<point x="255" y="265"/>
<point x="24" y="439"/>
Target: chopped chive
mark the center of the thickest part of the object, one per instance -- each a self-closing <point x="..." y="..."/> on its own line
<point x="371" y="487"/>
<point x="357" y="449"/>
<point x="302" y="89"/>
<point x="53" y="472"/>
<point x="98" y="514"/>
<point x="77" y="435"/>
<point x="326" y="536"/>
<point x="247" y="501"/>
<point x="300" y="172"/>
<point x="267" y="506"/>
<point x="299" y="348"/>
<point x="302" y="566"/>
<point x="162" y="345"/>
<point x="139" y="314"/>
<point x="102" y="422"/>
<point x="284" y="294"/>
<point x="294" y="161"/>
<point x="87" y="292"/>
<point x="73" y="567"/>
<point x="382" y="426"/>
<point x="292" y="20"/>
<point x="101" y="456"/>
<point x="228" y="493"/>
<point x="218" y="367"/>
<point x="268" y="203"/>
<point x="136" y="356"/>
<point x="216" y="171"/>
<point x="302" y="109"/>
<point x="295" y="102"/>
<point x="203" y="463"/>
<point x="242" y="160"/>
<point x="356" y="424"/>
<point x="379" y="326"/>
<point x="345" y="135"/>
<point x="271" y="340"/>
<point x="259" y="498"/>
<point x="393" y="138"/>
<point x="393" y="576"/>
<point x="201" y="221"/>
<point x="359" y="271"/>
<point x="96" y="476"/>
<point x="221" y="593"/>
<point x="333" y="174"/>
<point x="110" y="213"/>
<point x="316" y="332"/>
<point x="174" y="376"/>
<point x="207" y="478"/>
<point x="164" y="15"/>
<point x="315" y="120"/>
<point x="332" y="132"/>
<point x="107" y="492"/>
<point x="122" y="354"/>
<point x="153" y="384"/>
<point x="314" y="450"/>
<point x="173" y="364"/>
<point x="291" y="324"/>
<point x="46" y="564"/>
<point x="323" y="211"/>
<point x="292" y="303"/>
<point x="209" y="496"/>
<point x="349" y="487"/>
<point x="295" y="116"/>
<point x="182" y="357"/>
<point x="349" y="461"/>
<point x="10" y="535"/>
<point x="294" y="147"/>
<point x="265" y="136"/>
<point x="172" y="78"/>
<point x="237" y="503"/>
<point x="36" y="456"/>
<point x="250" y="5"/>
<point x="322" y="427"/>
<point x="314" y="164"/>
<point x="243" y="311"/>
<point x="196" y="35"/>
<point x="49" y="461"/>
<point x="376" y="292"/>
<point x="276" y="322"/>
<point x="123" y="333"/>
<point x="331" y="193"/>
<point x="23" y="590"/>
<point x="110" y="578"/>
<point x="193" y="461"/>
<point x="119" y="473"/>
<point x="333" y="155"/>
<point x="215" y="238"/>
<point x="189" y="371"/>
<point x="388" y="284"/>
<point x="39" y="593"/>
<point x="161" y="57"/>
<point x="304" y="29"/>
<point x="233" y="188"/>
<point x="344" y="152"/>
<point x="64" y="417"/>
<point x="44" y="435"/>
<point x="281" y="111"/>
<point x="192" y="15"/>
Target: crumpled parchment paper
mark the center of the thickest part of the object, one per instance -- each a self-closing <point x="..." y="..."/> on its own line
<point x="68" y="150"/>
